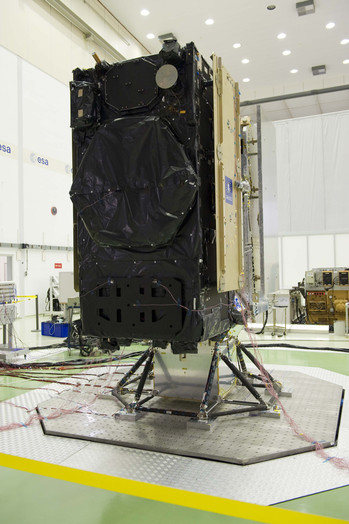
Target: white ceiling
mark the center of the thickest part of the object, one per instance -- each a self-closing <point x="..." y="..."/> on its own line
<point x="256" y="28"/>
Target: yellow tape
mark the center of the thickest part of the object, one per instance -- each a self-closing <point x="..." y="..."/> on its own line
<point x="233" y="508"/>
<point x="26" y="296"/>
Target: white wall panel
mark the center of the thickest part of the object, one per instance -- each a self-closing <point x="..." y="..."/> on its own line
<point x="313" y="187"/>
<point x="46" y="116"/>
<point x="312" y="160"/>
<point x="8" y="97"/>
<point x="301" y="192"/>
<point x="294" y="260"/>
<point x="342" y="250"/>
<point x="9" y="208"/>
<point x="271" y="264"/>
<point x="270" y="211"/>
<point x="35" y="175"/>
<point x="8" y="148"/>
<point x="283" y="177"/>
<point x="47" y="159"/>
<point x="336" y="179"/>
<point x="44" y="189"/>
<point x="321" y="251"/>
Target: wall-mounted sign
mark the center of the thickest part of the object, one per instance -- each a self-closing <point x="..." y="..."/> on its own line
<point x="38" y="159"/>
<point x="8" y="150"/>
<point x="58" y="265"/>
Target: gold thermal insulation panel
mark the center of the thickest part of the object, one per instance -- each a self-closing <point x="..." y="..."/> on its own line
<point x="226" y="101"/>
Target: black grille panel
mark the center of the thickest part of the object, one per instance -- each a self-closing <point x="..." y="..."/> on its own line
<point x="135" y="307"/>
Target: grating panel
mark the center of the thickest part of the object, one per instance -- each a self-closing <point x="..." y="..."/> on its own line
<point x="263" y="483"/>
<point x="240" y="439"/>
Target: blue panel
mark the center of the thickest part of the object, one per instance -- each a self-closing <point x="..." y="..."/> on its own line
<point x="228" y="190"/>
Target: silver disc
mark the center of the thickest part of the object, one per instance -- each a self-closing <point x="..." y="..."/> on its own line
<point x="166" y="76"/>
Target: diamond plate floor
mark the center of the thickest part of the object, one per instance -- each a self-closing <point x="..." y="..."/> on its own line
<point x="291" y="477"/>
<point x="315" y="405"/>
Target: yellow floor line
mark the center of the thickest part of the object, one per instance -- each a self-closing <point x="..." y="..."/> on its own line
<point x="266" y="514"/>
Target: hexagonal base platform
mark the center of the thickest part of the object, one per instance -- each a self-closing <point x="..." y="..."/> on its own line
<point x="315" y="406"/>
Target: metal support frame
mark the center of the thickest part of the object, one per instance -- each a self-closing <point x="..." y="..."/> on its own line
<point x="144" y="376"/>
<point x="257" y="363"/>
<point x="42" y="247"/>
<point x="289" y="96"/>
<point x="260" y="202"/>
<point x="205" y="415"/>
<point x="247" y="235"/>
<point x="245" y="382"/>
<point x="241" y="359"/>
<point x="258" y="407"/>
<point x="274" y="332"/>
<point x="131" y="372"/>
<point x="7" y="337"/>
<point x="36" y="315"/>
<point x="208" y="388"/>
<point x="253" y="224"/>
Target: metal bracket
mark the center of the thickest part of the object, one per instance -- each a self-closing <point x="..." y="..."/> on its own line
<point x="287" y="392"/>
<point x="123" y="414"/>
<point x="201" y="424"/>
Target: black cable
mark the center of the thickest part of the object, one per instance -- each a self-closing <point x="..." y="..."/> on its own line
<point x="69" y="363"/>
<point x="265" y="323"/>
<point x="294" y="346"/>
<point x="52" y="346"/>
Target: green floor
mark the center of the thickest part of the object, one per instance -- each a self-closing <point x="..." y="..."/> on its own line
<point x="27" y="498"/>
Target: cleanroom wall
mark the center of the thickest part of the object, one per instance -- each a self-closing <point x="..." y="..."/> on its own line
<point x="35" y="154"/>
<point x="35" y="176"/>
<point x="37" y="32"/>
<point x="312" y="157"/>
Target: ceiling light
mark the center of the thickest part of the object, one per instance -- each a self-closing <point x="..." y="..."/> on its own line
<point x="236" y="45"/>
<point x="346" y="61"/>
<point x="305" y="8"/>
<point x="150" y="36"/>
<point x="245" y="61"/>
<point x="345" y="41"/>
<point x="286" y="52"/>
<point x="271" y="7"/>
<point x="319" y="70"/>
<point x="209" y="21"/>
<point x="281" y="36"/>
<point x="293" y="71"/>
<point x="144" y="12"/>
<point x="330" y="25"/>
<point x="246" y="79"/>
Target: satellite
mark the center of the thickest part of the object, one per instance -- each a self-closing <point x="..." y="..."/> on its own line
<point x="157" y="196"/>
<point x="161" y="181"/>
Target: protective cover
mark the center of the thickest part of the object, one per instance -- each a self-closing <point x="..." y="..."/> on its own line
<point x="144" y="202"/>
<point x="135" y="185"/>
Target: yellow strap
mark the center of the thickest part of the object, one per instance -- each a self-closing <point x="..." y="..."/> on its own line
<point x="233" y="508"/>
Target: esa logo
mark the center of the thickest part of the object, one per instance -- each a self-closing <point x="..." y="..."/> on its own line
<point x="5" y="149"/>
<point x="38" y="159"/>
